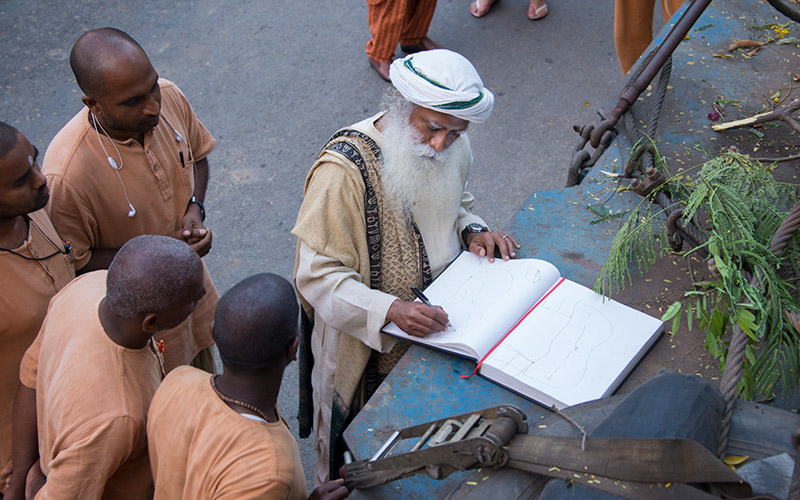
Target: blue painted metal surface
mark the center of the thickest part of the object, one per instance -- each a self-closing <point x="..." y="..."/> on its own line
<point x="558" y="227"/>
<point x="425" y="385"/>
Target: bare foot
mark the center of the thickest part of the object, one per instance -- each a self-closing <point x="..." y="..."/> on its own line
<point x="537" y="9"/>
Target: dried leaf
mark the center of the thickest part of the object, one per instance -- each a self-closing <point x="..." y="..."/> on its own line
<point x="788" y="39"/>
<point x="751" y="53"/>
<point x="744" y="44"/>
<point x="721" y="56"/>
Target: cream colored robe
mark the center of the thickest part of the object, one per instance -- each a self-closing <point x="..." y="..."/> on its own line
<point x="333" y="284"/>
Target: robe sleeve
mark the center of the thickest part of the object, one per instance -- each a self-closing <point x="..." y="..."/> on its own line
<point x="340" y="299"/>
<point x="331" y="230"/>
<point x="85" y="464"/>
<point x="72" y="218"/>
<point x="465" y="215"/>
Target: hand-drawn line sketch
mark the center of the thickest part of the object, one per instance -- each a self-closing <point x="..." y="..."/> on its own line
<point x="533" y="274"/>
<point x="559" y="360"/>
<point x="478" y="294"/>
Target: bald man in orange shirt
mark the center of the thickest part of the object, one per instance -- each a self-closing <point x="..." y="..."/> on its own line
<point x="133" y="161"/>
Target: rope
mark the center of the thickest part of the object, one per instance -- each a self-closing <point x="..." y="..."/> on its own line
<point x="646" y="159"/>
<point x="734" y="367"/>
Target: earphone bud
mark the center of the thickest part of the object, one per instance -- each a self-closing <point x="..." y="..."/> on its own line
<point x="178" y="136"/>
<point x="112" y="162"/>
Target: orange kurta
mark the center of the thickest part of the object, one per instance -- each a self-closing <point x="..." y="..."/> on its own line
<point x="202" y="449"/>
<point x="397" y="21"/>
<point x="92" y="397"/>
<point x="88" y="204"/>
<point x="28" y="286"/>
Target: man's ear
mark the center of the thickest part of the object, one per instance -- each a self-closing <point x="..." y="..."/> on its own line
<point x="291" y="349"/>
<point x="150" y="323"/>
<point x="92" y="104"/>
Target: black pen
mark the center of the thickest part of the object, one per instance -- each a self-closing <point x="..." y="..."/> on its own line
<point x="180" y="155"/>
<point x="421" y="296"/>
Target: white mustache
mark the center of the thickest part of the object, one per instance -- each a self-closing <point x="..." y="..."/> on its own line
<point x="424" y="150"/>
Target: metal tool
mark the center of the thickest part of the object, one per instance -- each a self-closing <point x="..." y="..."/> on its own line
<point x="471" y="440"/>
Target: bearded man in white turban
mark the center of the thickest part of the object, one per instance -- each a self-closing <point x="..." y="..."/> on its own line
<point x="385" y="208"/>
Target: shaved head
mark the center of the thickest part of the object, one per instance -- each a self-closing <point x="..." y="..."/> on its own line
<point x="151" y="274"/>
<point x="255" y="321"/>
<point x="9" y="136"/>
<point x="98" y="51"/>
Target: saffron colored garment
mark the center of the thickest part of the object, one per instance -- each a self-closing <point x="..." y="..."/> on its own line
<point x="397" y="21"/>
<point x="88" y="204"/>
<point x="332" y="271"/>
<point x="28" y="286"/>
<point x="633" y="27"/>
<point x="201" y="449"/>
<point x="92" y="397"/>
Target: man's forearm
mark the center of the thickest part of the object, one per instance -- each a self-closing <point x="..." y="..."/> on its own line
<point x="200" y="179"/>
<point x="101" y="258"/>
<point x="340" y="298"/>
<point x="24" y="441"/>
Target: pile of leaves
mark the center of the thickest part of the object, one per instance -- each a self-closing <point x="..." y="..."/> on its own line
<point x="740" y="206"/>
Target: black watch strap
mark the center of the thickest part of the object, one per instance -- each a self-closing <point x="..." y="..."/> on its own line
<point x="199" y="204"/>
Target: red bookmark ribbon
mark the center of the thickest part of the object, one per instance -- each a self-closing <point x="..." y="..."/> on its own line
<point x="512" y="329"/>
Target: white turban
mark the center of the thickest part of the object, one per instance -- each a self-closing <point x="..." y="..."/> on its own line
<point x="443" y="81"/>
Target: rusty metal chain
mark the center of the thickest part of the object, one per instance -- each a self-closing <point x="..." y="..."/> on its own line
<point x="581" y="158"/>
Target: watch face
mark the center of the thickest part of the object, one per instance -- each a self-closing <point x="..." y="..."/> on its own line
<point x="475" y="228"/>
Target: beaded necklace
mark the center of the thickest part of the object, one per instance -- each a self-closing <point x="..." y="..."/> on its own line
<point x="236" y="402"/>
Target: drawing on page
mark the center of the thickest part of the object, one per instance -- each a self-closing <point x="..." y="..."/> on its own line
<point x="562" y="359"/>
<point x="482" y="290"/>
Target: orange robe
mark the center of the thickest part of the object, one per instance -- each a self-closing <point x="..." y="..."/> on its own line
<point x="201" y="449"/>
<point x="28" y="286"/>
<point x="92" y="397"/>
<point x="633" y="27"/>
<point x="88" y="204"/>
<point x="397" y="21"/>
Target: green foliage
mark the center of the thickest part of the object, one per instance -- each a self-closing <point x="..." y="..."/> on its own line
<point x="743" y="206"/>
<point x="640" y="236"/>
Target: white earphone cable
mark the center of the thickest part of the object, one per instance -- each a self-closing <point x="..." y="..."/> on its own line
<point x="111" y="161"/>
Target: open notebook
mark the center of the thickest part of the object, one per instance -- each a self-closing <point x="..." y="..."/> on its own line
<point x="534" y="332"/>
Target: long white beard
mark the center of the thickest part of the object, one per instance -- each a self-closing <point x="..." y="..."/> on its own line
<point x="416" y="177"/>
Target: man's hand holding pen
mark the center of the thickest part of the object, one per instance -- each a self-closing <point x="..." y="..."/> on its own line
<point x="418" y="319"/>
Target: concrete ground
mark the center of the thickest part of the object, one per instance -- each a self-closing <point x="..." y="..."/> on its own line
<point x="273" y="80"/>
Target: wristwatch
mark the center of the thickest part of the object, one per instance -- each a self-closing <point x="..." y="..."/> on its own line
<point x="473" y="227"/>
<point x="199" y="204"/>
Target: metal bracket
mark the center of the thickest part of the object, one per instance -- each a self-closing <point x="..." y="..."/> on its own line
<point x="470" y="440"/>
